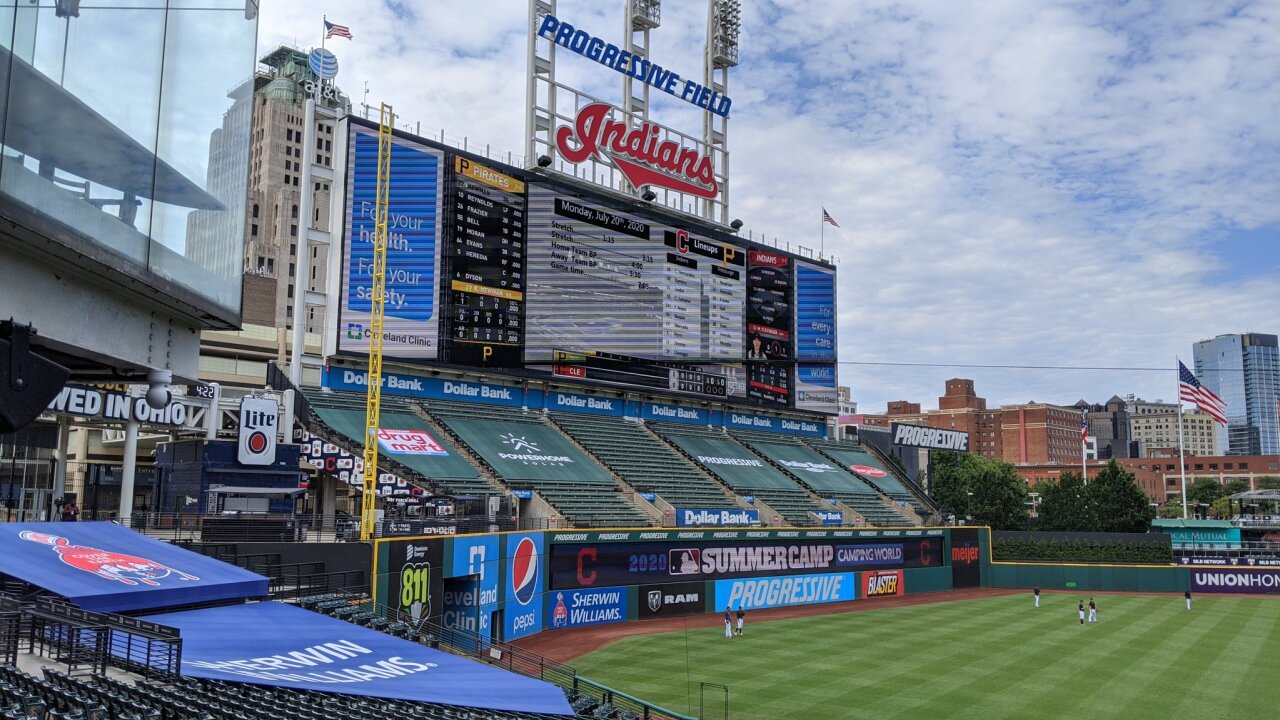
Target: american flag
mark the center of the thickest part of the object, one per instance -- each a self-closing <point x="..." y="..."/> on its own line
<point x="1084" y="425"/>
<point x="334" y="29"/>
<point x="826" y="218"/>
<point x="1190" y="390"/>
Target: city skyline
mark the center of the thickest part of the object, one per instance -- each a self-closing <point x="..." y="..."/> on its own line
<point x="1015" y="184"/>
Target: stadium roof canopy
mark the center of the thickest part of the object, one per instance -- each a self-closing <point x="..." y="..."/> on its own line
<point x="1257" y="495"/>
<point x="274" y="644"/>
<point x="104" y="567"/>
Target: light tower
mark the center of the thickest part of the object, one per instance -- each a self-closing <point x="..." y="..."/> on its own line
<point x="641" y="17"/>
<point x="724" y="24"/>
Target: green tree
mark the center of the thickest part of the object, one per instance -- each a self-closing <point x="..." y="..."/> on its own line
<point x="1118" y="503"/>
<point x="1268" y="482"/>
<point x="1205" y="490"/>
<point x="1066" y="506"/>
<point x="1235" y="486"/>
<point x="1221" y="508"/>
<point x="1172" y="510"/>
<point x="987" y="492"/>
<point x="999" y="495"/>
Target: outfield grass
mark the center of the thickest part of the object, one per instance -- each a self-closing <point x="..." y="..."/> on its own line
<point x="1147" y="658"/>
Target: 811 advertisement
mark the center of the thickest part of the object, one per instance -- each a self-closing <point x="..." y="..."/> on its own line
<point x="522" y="586"/>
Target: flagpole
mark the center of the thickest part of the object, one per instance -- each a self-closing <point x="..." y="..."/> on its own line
<point x="324" y="21"/>
<point x="1182" y="454"/>
<point x="822" y="232"/>
<point x="1084" y="455"/>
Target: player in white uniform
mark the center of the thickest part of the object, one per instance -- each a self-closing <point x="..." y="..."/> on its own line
<point x="728" y="623"/>
<point x="1093" y="611"/>
<point x="1036" y="592"/>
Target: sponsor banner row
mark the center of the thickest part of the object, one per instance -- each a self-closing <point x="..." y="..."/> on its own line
<point x="768" y="592"/>
<point x="739" y="534"/>
<point x="1232" y="562"/>
<point x="1252" y="581"/>
<point x="434" y="388"/>
<point x="608" y="564"/>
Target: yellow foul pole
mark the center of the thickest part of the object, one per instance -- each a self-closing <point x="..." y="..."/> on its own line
<point x="373" y="405"/>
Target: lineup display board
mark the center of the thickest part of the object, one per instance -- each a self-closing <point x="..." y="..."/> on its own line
<point x="603" y="279"/>
<point x="484" y="263"/>
<point x="411" y="320"/>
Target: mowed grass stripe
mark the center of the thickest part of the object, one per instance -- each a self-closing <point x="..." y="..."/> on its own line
<point x="1182" y="657"/>
<point x="987" y="688"/>
<point x="1246" y="673"/>
<point x="1018" y="661"/>
<point x="1134" y="632"/>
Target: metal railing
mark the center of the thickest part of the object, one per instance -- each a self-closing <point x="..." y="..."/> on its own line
<point x="84" y="640"/>
<point x="277" y="527"/>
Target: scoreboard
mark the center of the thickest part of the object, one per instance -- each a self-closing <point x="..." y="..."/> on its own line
<point x="485" y="265"/>
<point x="491" y="267"/>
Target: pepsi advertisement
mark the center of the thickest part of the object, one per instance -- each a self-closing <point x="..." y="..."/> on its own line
<point x="590" y="565"/>
<point x="580" y="608"/>
<point x="522" y="587"/>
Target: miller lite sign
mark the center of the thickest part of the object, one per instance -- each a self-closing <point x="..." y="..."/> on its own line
<point x="258" y="418"/>
<point x="640" y="153"/>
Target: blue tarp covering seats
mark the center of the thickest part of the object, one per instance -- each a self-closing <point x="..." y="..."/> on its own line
<point x="273" y="644"/>
<point x="104" y="567"/>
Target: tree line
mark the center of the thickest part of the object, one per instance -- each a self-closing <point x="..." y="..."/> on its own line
<point x="982" y="491"/>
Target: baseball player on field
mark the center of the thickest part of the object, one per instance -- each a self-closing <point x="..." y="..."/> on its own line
<point x="728" y="623"/>
<point x="1093" y="611"/>
<point x="1081" y="612"/>
<point x="1036" y="592"/>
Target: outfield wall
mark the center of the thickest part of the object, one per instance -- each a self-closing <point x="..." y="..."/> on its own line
<point x="511" y="585"/>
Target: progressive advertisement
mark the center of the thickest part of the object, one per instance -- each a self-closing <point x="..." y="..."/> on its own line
<point x="411" y="324"/>
<point x="579" y="565"/>
<point x="768" y="592"/>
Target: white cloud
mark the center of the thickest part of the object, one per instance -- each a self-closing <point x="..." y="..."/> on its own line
<point x="1018" y="182"/>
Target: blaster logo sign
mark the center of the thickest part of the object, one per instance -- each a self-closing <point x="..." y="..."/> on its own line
<point x="885" y="582"/>
<point x="126" y="569"/>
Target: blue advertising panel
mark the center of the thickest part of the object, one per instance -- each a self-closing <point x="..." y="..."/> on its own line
<point x="768" y="592"/>
<point x="664" y="412"/>
<point x="580" y="608"/>
<point x="1254" y="582"/>
<point x="828" y="517"/>
<point x="434" y="388"/>
<point x="281" y="645"/>
<point x="816" y="388"/>
<point x="411" y="327"/>
<point x="815" y="313"/>
<point x="469" y="604"/>
<point x="704" y="517"/>
<point x="104" y="567"/>
<point x="595" y="405"/>
<point x="522" y="588"/>
<point x="747" y="421"/>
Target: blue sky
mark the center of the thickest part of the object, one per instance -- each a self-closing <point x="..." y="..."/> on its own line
<point x="1017" y="182"/>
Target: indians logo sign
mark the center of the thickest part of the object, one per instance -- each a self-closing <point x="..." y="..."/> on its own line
<point x="638" y="152"/>
<point x="126" y="569"/>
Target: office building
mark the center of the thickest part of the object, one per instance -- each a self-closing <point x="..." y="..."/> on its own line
<point x="1244" y="370"/>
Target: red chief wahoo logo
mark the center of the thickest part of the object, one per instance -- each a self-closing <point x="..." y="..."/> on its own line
<point x="127" y="569"/>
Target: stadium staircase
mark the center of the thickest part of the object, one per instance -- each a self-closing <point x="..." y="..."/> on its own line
<point x="843" y="486"/>
<point x="644" y="461"/>
<point x="846" y="453"/>
<point x="584" y="504"/>
<point x="791" y="501"/>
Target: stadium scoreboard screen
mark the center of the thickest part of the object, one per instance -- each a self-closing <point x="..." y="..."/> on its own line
<point x="492" y="267"/>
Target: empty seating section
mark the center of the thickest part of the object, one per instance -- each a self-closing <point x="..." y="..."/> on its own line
<point x="58" y="696"/>
<point x="644" y="461"/>
<point x="534" y="455"/>
<point x="830" y="481"/>
<point x="441" y="409"/>
<point x="853" y="455"/>
<point x="741" y="470"/>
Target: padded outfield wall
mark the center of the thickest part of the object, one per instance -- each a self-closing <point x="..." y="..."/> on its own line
<point x="506" y="586"/>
